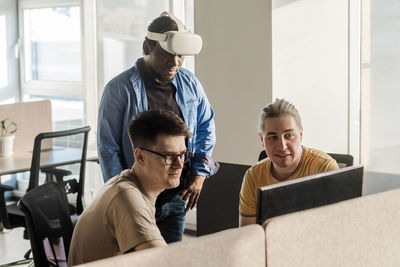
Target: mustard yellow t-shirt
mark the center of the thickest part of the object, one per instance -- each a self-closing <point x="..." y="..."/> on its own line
<point x="312" y="162"/>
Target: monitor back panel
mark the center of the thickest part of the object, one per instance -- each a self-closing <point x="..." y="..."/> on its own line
<point x="309" y="192"/>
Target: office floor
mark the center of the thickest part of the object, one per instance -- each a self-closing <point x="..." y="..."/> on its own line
<point x="13" y="246"/>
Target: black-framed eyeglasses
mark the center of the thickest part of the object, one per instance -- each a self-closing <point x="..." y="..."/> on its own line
<point x="171" y="157"/>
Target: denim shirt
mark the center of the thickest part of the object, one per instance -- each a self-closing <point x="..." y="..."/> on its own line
<point x="125" y="96"/>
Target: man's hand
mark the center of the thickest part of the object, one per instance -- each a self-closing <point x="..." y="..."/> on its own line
<point x="194" y="184"/>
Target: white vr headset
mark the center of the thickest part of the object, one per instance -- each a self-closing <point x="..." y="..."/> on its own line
<point x="182" y="42"/>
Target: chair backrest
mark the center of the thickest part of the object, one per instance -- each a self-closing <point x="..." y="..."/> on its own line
<point x="343" y="160"/>
<point x="49" y="224"/>
<point x="35" y="166"/>
<point x="262" y="155"/>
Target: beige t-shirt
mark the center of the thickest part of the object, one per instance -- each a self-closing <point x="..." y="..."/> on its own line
<point x="312" y="162"/>
<point x="121" y="217"/>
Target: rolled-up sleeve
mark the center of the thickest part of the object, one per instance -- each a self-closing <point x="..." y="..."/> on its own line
<point x="205" y="138"/>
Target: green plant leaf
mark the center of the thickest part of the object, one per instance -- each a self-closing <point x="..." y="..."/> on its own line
<point x="8" y="128"/>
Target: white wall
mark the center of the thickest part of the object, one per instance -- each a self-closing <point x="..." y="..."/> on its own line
<point x="309" y="45"/>
<point x="310" y="67"/>
<point x="234" y="68"/>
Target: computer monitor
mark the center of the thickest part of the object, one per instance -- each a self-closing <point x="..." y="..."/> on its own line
<point x="309" y="192"/>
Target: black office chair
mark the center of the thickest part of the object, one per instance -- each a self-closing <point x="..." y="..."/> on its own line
<point x="49" y="224"/>
<point x="72" y="186"/>
<point x="11" y="216"/>
<point x="343" y="160"/>
<point x="262" y="155"/>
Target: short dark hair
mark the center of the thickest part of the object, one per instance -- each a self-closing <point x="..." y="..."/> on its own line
<point x="160" y="25"/>
<point x="147" y="125"/>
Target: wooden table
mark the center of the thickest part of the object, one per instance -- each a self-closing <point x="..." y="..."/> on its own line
<point x="57" y="156"/>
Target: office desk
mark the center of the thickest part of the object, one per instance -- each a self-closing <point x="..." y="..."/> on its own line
<point x="57" y="156"/>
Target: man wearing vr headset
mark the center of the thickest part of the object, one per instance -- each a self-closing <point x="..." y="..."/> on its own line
<point x="157" y="81"/>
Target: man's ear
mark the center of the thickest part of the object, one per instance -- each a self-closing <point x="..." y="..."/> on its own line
<point x="139" y="156"/>
<point x="301" y="134"/>
<point x="262" y="139"/>
<point x="146" y="48"/>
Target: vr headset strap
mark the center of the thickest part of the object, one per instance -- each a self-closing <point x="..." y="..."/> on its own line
<point x="160" y="37"/>
<point x="181" y="26"/>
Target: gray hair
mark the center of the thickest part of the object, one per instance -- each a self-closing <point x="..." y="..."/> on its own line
<point x="278" y="108"/>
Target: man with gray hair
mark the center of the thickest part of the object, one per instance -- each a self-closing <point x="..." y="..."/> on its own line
<point x="281" y="133"/>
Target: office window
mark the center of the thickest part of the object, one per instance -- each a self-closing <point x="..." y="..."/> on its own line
<point x="51" y="58"/>
<point x="3" y="52"/>
<point x="52" y="50"/>
<point x="380" y="73"/>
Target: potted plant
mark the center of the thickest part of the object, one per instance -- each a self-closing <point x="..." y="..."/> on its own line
<point x="8" y="129"/>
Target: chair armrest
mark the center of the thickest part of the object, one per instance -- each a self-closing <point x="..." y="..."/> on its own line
<point x="54" y="172"/>
<point x="4" y="188"/>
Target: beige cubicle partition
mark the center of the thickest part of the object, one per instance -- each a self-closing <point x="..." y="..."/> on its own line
<point x="32" y="118"/>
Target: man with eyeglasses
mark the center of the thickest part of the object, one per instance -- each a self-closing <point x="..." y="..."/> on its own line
<point x="121" y="218"/>
<point x="158" y="81"/>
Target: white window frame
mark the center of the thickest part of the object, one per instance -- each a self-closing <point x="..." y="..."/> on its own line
<point x="354" y="135"/>
<point x="49" y="88"/>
